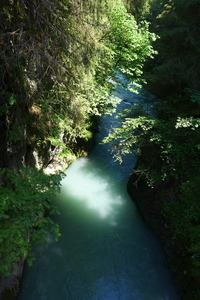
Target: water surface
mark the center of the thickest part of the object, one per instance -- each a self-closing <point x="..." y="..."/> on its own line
<point x="105" y="252"/>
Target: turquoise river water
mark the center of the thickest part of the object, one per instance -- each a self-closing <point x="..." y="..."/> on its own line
<point x="106" y="252"/>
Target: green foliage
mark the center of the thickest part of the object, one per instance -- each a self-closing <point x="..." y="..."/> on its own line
<point x="130" y="135"/>
<point x="131" y="43"/>
<point x="176" y="66"/>
<point x="184" y="216"/>
<point x="54" y="69"/>
<point x="194" y="95"/>
<point x="26" y="203"/>
<point x="175" y="141"/>
<point x="139" y="8"/>
<point x="54" y="60"/>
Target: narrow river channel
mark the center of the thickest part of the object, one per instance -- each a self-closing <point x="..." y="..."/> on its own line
<point x="106" y="252"/>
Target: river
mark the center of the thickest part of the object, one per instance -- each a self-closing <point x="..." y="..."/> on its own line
<point x="106" y="252"/>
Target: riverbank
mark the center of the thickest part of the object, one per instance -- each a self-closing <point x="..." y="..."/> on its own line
<point x="152" y="211"/>
<point x="10" y="286"/>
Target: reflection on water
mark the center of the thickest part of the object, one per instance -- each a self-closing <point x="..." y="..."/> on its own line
<point x="105" y="251"/>
<point x="93" y="187"/>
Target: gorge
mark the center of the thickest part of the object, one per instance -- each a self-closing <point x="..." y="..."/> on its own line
<point x="105" y="250"/>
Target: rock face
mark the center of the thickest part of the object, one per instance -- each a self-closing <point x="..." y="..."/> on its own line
<point x="145" y="199"/>
<point x="151" y="209"/>
<point x="9" y="287"/>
